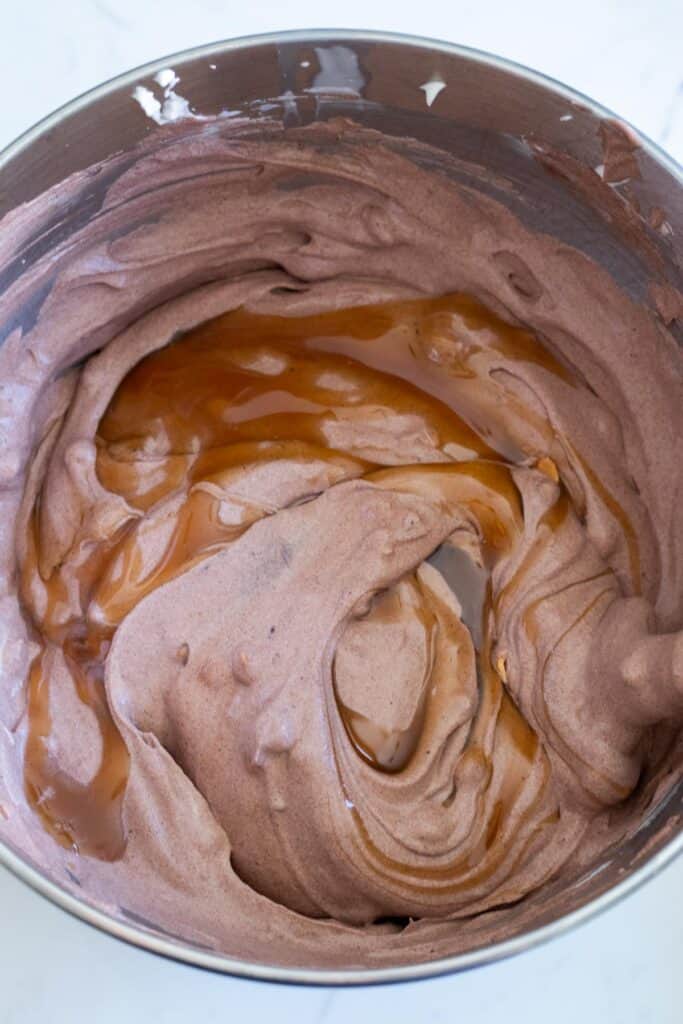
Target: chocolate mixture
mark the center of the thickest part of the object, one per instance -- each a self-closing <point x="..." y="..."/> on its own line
<point x="341" y="554"/>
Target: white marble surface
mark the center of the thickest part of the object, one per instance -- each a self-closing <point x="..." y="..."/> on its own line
<point x="624" y="967"/>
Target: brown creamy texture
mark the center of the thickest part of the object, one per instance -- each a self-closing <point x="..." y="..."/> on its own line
<point x="348" y="618"/>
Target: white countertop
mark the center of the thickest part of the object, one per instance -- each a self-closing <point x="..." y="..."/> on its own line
<point x="624" y="967"/>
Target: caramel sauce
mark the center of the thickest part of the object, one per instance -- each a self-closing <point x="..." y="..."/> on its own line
<point x="181" y="431"/>
<point x="517" y="751"/>
<point x="82" y="816"/>
<point x="390" y="750"/>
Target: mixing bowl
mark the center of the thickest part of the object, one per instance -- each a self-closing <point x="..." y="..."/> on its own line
<point x="544" y="150"/>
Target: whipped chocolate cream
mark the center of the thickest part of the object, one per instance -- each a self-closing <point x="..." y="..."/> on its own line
<point x="341" y="553"/>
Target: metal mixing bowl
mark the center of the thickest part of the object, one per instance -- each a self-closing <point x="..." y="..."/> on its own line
<point x="490" y="112"/>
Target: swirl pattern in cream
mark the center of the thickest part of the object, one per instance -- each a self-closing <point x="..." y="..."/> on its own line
<point x="352" y="664"/>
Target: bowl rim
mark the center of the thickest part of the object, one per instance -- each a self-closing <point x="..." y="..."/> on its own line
<point x="176" y="949"/>
<point x="323" y="35"/>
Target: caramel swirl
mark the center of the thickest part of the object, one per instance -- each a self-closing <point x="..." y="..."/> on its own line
<point x="253" y="577"/>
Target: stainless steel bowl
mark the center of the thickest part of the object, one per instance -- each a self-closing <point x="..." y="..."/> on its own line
<point x="490" y="112"/>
